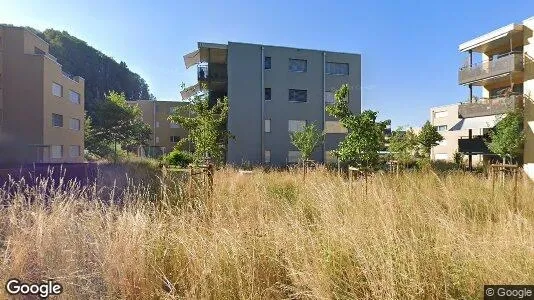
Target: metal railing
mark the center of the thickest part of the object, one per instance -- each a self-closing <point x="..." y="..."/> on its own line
<point x="509" y="62"/>
<point x="490" y="106"/>
<point x="204" y="73"/>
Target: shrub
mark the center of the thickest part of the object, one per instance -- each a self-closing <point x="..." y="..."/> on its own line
<point x="178" y="158"/>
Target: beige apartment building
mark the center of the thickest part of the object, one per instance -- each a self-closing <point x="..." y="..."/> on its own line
<point x="165" y="134"/>
<point x="504" y="75"/>
<point x="41" y="107"/>
<point x="444" y="118"/>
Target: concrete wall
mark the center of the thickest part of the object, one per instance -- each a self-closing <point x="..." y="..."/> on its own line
<point x="246" y="95"/>
<point x="528" y="89"/>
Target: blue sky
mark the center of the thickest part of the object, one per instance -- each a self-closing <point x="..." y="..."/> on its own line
<point x="409" y="48"/>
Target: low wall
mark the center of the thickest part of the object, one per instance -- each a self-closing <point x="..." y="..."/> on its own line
<point x="85" y="173"/>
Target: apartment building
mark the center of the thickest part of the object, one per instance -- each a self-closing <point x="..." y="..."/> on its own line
<point x="165" y="134"/>
<point x="273" y="91"/>
<point x="445" y="119"/>
<point x="500" y="65"/>
<point x="41" y="106"/>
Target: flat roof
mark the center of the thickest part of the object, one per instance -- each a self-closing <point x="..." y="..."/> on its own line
<point x="490" y="36"/>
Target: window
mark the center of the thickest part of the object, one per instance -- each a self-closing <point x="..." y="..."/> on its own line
<point x="268" y="125"/>
<point x="293" y="156"/>
<point x="174" y="125"/>
<point x="57" y="120"/>
<point x="74" y="97"/>
<point x="56" y="151"/>
<point x="157" y="124"/>
<point x="334" y="127"/>
<point x="441" y="114"/>
<point x="157" y="139"/>
<point x="337" y="68"/>
<point x="174" y="139"/>
<point x="267" y="62"/>
<point x="74" y="151"/>
<point x="267" y="93"/>
<point x="57" y="89"/>
<point x="298" y="65"/>
<point x="441" y="128"/>
<point x="328" y="97"/>
<point x="267" y="156"/>
<point x="441" y="156"/>
<point x="296" y="125"/>
<point x="298" y="95"/>
<point x="74" y="124"/>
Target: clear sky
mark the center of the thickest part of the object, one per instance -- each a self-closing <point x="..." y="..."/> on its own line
<point x="409" y="48"/>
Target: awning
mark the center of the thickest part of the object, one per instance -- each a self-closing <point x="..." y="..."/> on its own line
<point x="192" y="59"/>
<point x="477" y="122"/>
<point x="190" y="91"/>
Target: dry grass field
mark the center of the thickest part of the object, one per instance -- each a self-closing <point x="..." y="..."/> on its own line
<point x="272" y="235"/>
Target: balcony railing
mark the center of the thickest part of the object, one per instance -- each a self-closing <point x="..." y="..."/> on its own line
<point x="489" y="107"/>
<point x="509" y="63"/>
<point x="475" y="145"/>
<point x="204" y="73"/>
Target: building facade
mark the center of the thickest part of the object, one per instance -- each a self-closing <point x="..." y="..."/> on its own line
<point x="499" y="64"/>
<point x="273" y="91"/>
<point x="41" y="106"/>
<point x="444" y="119"/>
<point x="165" y="134"/>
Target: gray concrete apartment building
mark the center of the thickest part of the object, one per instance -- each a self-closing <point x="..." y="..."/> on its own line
<point x="273" y="91"/>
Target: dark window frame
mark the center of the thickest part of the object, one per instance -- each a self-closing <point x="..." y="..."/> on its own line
<point x="267" y="66"/>
<point x="294" y="94"/>
<point x="293" y="70"/>
<point x="267" y="95"/>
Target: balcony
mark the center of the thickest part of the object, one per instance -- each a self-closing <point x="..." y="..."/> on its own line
<point x="475" y="145"/>
<point x="489" y="107"/>
<point x="511" y="62"/>
<point x="215" y="73"/>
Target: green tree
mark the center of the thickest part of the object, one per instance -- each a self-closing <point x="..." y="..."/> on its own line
<point x="428" y="138"/>
<point x="365" y="137"/>
<point x="402" y="145"/>
<point x="116" y="123"/>
<point x="206" y="127"/>
<point x="507" y="138"/>
<point x="307" y="140"/>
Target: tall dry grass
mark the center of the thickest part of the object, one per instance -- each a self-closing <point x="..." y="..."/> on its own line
<point x="272" y="235"/>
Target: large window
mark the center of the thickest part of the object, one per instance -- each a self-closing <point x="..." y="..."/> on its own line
<point x="74" y="97"/>
<point x="293" y="156"/>
<point x="267" y="93"/>
<point x="298" y="95"/>
<point x="174" y="139"/>
<point x="329" y="97"/>
<point x="57" y="120"/>
<point x="298" y="65"/>
<point x="56" y="151"/>
<point x="74" y="151"/>
<point x="74" y="124"/>
<point x="333" y="68"/>
<point x="57" y="89"/>
<point x="441" y="128"/>
<point x="296" y="125"/>
<point x="267" y="156"/>
<point x="268" y="125"/>
<point x="267" y="63"/>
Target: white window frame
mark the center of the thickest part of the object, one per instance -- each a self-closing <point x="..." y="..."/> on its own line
<point x="77" y="122"/>
<point x="334" y="66"/>
<point x="294" y="63"/>
<point x="267" y="155"/>
<point x="55" y="84"/>
<point x="76" y="101"/>
<point x="53" y="151"/>
<point x="267" y="125"/>
<point x="79" y="150"/>
<point x="296" y="125"/>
